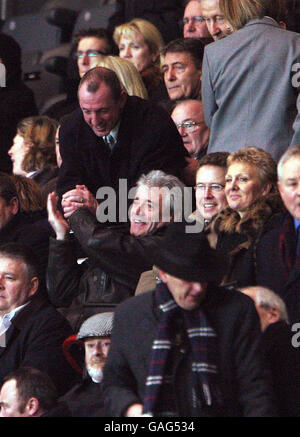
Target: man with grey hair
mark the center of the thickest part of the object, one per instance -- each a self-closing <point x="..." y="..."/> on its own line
<point x="116" y="254"/>
<point x="85" y="399"/>
<point x="280" y="356"/>
<point x="278" y="249"/>
<point x="113" y="136"/>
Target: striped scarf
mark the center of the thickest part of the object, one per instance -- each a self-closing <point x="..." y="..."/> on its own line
<point x="159" y="390"/>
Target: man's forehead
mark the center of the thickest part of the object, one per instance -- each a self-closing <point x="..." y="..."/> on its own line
<point x="12" y="263"/>
<point x="148" y="194"/>
<point x="177" y="57"/>
<point x="189" y="111"/>
<point x="293" y="163"/>
<point x="193" y="8"/>
<point x="211" y="8"/>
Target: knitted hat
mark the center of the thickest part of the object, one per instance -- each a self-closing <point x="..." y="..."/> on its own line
<point x="99" y="325"/>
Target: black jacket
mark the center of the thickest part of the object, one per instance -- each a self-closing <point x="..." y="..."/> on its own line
<point x="31" y="229"/>
<point x="35" y="339"/>
<point x="115" y="262"/>
<point x="244" y="382"/>
<point x="147" y="140"/>
<point x="275" y="265"/>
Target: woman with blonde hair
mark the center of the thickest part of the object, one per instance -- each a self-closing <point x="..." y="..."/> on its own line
<point x="253" y="199"/>
<point x="128" y="75"/>
<point x="33" y="150"/>
<point x="140" y="42"/>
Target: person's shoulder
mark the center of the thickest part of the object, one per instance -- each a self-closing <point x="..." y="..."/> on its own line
<point x="135" y="308"/>
<point x="72" y="118"/>
<point x="228" y="297"/>
<point x="140" y="107"/>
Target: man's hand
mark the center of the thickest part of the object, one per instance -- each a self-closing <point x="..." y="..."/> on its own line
<point x="80" y="197"/>
<point x="135" y="410"/>
<point x="55" y="218"/>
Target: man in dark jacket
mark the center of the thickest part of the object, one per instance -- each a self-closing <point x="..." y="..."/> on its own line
<point x="277" y="349"/>
<point x="277" y="252"/>
<point x="116" y="255"/>
<point x="188" y="348"/>
<point x="114" y="136"/>
<point x="27" y="228"/>
<point x="31" y="330"/>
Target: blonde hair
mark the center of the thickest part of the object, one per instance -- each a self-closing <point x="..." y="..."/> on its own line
<point x="240" y="12"/>
<point x="39" y="136"/>
<point x="151" y="35"/>
<point x="127" y="74"/>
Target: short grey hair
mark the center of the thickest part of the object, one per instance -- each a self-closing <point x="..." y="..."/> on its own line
<point x="288" y="154"/>
<point x="266" y="298"/>
<point x="174" y="187"/>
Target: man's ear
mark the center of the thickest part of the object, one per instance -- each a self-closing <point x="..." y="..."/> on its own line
<point x="14" y="205"/>
<point x="32" y="406"/>
<point x="267" y="189"/>
<point x="33" y="287"/>
<point x="273" y="315"/>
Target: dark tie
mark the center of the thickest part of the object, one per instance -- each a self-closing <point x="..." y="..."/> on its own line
<point x="298" y="241"/>
<point x="110" y="141"/>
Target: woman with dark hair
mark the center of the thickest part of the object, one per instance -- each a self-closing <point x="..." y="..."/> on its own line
<point x="16" y="99"/>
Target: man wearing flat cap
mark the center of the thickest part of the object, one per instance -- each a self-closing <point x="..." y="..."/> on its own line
<point x="86" y="398"/>
<point x="189" y="347"/>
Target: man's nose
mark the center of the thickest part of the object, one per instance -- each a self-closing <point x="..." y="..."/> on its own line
<point x="94" y="119"/>
<point x="190" y="25"/>
<point x="170" y="74"/>
<point x="214" y="29"/>
<point x="85" y="59"/>
<point x="182" y="131"/>
<point x="207" y="191"/>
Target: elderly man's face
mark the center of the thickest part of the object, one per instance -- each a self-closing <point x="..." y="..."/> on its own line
<point x="194" y="24"/>
<point x="289" y="186"/>
<point x="210" y="193"/>
<point x="217" y="25"/>
<point x="9" y="400"/>
<point x="96" y="351"/>
<point x="147" y="211"/>
<point x="182" y="77"/>
<point x="187" y="295"/>
<point x="100" y="111"/>
<point x="15" y="286"/>
<point x="190" y="123"/>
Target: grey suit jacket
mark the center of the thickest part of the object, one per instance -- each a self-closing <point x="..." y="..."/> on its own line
<point x="248" y="89"/>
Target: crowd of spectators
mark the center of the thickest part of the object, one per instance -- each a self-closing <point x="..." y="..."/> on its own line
<point x="150" y="222"/>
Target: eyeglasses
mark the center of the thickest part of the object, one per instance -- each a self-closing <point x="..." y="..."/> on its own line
<point x="196" y="19"/>
<point x="213" y="187"/>
<point x="89" y="53"/>
<point x="189" y="126"/>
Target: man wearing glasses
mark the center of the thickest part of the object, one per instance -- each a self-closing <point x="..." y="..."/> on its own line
<point x="194" y="25"/>
<point x="92" y="44"/>
<point x="189" y="120"/>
